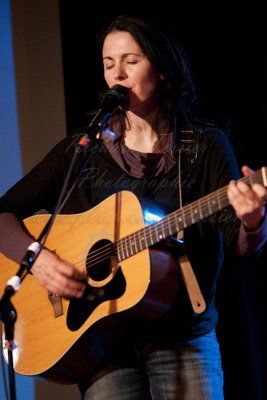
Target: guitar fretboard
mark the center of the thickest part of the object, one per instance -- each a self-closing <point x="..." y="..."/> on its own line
<point x="181" y="219"/>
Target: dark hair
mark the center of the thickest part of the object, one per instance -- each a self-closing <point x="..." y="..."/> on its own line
<point x="177" y="94"/>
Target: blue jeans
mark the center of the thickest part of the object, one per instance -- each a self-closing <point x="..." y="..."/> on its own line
<point x="189" y="370"/>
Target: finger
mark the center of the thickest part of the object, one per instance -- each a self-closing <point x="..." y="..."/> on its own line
<point x="58" y="276"/>
<point x="242" y="198"/>
<point x="69" y="271"/>
<point x="260" y="192"/>
<point x="246" y="171"/>
<point x="67" y="280"/>
<point x="66" y="287"/>
<point x="246" y="191"/>
<point x="256" y="193"/>
<point x="233" y="190"/>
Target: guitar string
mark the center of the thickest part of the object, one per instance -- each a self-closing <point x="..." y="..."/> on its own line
<point x="104" y="253"/>
<point x="106" y="250"/>
<point x="99" y="254"/>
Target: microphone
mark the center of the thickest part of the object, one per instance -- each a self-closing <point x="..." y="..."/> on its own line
<point x="117" y="95"/>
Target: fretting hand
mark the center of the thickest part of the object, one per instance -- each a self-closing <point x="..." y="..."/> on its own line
<point x="248" y="201"/>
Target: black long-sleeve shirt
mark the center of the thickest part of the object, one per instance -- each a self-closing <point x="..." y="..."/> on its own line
<point x="205" y="241"/>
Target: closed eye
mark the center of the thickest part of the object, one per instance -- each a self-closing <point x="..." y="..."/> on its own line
<point x="108" y="66"/>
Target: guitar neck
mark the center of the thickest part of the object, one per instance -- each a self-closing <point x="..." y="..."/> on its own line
<point x="181" y="219"/>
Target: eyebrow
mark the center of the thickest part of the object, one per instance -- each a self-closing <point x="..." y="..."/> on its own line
<point x="124" y="56"/>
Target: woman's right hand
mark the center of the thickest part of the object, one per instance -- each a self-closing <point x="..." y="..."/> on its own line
<point x="58" y="276"/>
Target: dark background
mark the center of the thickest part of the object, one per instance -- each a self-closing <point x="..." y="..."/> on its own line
<point x="226" y="44"/>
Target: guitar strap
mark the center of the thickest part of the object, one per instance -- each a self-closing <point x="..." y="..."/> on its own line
<point x="187" y="153"/>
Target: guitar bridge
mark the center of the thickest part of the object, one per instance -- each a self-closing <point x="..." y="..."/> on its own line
<point x="56" y="302"/>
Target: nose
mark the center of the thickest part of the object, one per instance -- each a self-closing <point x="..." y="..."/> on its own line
<point x="119" y="72"/>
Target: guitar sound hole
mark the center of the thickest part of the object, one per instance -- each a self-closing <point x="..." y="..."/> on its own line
<point x="98" y="261"/>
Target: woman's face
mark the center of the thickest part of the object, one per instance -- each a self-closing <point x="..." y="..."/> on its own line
<point x="126" y="65"/>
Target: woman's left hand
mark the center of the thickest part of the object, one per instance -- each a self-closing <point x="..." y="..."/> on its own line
<point x="248" y="201"/>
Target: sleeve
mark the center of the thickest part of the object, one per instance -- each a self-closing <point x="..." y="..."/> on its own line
<point x="250" y="243"/>
<point x="37" y="190"/>
<point x="40" y="188"/>
<point x="14" y="241"/>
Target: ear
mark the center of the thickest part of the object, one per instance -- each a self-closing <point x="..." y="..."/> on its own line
<point x="162" y="77"/>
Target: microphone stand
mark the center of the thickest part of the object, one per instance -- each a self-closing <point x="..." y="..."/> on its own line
<point x="8" y="316"/>
<point x="88" y="143"/>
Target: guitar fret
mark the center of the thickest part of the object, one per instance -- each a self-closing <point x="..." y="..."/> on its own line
<point x="156" y="234"/>
<point x="169" y="226"/>
<point x="150" y="234"/>
<point x="177" y="225"/>
<point x="162" y="235"/>
<point x="130" y="249"/>
<point x="118" y="250"/>
<point x="184" y="220"/>
<point x="135" y="243"/>
<point x="180" y="219"/>
<point x="200" y="210"/>
<point x="215" y="204"/>
<point x="126" y="249"/>
<point x="219" y="200"/>
<point x="140" y="238"/>
<point x="196" y="213"/>
<point x="145" y="239"/>
<point x="122" y="247"/>
<point x="192" y="215"/>
<point x="132" y="252"/>
<point x="209" y="207"/>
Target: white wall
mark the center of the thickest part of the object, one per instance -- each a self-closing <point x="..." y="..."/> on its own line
<point x="32" y="117"/>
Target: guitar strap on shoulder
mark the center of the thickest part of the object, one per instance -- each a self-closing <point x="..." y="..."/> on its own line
<point x="187" y="153"/>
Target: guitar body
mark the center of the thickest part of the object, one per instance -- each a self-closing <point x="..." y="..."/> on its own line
<point x="65" y="345"/>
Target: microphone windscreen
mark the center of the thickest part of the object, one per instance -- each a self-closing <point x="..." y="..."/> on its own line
<point x="117" y="95"/>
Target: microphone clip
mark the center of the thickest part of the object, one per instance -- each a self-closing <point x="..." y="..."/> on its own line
<point x="29" y="258"/>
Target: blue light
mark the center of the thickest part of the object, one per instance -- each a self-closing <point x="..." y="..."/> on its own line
<point x="110" y="134"/>
<point x="10" y="157"/>
<point x="150" y="217"/>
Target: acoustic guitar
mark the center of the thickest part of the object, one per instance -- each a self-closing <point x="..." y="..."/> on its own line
<point x="62" y="340"/>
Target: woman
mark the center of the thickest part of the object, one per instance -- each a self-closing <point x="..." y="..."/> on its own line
<point x="176" y="355"/>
